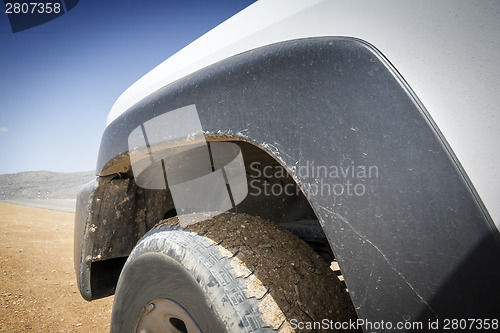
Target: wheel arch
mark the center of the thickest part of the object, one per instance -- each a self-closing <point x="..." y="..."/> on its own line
<point x="337" y="102"/>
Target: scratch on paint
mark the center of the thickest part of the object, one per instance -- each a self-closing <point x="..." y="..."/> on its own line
<point x="343" y="219"/>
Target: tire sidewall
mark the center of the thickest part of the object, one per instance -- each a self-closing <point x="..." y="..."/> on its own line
<point x="150" y="274"/>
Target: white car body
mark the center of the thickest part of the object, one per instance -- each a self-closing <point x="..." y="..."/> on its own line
<point x="452" y="66"/>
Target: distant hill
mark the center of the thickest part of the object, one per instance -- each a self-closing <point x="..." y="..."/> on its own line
<point x="43" y="184"/>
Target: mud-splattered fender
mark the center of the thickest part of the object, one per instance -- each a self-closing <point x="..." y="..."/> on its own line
<point x="415" y="242"/>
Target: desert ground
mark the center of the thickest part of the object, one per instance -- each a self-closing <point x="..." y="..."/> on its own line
<point x="38" y="291"/>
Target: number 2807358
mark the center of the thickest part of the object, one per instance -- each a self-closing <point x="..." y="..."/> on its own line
<point x="33" y="8"/>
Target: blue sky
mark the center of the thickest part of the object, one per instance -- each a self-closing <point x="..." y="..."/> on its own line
<point x="59" y="80"/>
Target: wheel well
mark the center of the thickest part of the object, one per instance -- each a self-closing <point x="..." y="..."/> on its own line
<point x="273" y="195"/>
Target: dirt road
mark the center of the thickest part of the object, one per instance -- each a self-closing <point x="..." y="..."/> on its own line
<point x="61" y="205"/>
<point x="38" y="291"/>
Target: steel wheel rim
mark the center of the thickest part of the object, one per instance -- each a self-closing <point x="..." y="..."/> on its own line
<point x="165" y="316"/>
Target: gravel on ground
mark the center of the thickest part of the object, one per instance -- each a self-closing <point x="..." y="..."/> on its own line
<point x="38" y="291"/>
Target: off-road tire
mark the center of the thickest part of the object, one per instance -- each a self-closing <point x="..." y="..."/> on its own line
<point x="216" y="289"/>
